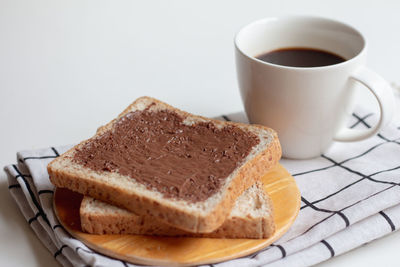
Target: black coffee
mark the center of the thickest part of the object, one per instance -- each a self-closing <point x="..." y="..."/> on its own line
<point x="301" y="57"/>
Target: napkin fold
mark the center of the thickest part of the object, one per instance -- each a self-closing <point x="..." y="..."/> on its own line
<point x="350" y="196"/>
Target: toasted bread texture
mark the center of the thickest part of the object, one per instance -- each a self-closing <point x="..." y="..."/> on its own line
<point x="124" y="191"/>
<point x="251" y="217"/>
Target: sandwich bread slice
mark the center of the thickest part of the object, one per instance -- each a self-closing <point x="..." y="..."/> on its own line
<point x="182" y="169"/>
<point x="251" y="217"/>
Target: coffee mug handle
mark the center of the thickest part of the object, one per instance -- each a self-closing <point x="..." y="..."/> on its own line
<point x="383" y="94"/>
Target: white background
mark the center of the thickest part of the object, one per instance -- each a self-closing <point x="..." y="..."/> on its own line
<point x="67" y="67"/>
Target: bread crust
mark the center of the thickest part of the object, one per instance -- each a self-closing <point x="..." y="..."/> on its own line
<point x="246" y="176"/>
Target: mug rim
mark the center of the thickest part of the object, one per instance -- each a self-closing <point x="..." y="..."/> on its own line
<point x="300" y="17"/>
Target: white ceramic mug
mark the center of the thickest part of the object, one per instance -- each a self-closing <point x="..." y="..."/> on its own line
<point x="308" y="107"/>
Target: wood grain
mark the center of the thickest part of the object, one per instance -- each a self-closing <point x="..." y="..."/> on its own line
<point x="184" y="251"/>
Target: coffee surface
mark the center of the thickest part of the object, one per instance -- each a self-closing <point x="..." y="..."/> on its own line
<point x="301" y="57"/>
<point x="157" y="149"/>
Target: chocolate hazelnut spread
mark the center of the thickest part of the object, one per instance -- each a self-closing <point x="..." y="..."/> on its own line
<point x="157" y="149"/>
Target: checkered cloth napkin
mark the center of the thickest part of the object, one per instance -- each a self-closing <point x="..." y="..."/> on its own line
<point x="350" y="196"/>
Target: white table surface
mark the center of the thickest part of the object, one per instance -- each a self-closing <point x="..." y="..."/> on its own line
<point x="67" y="67"/>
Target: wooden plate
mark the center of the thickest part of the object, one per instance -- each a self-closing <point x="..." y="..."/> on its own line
<point x="183" y="251"/>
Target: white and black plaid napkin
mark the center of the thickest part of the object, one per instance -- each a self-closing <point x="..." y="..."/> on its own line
<point x="350" y="196"/>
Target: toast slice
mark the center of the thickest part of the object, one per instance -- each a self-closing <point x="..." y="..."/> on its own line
<point x="182" y="169"/>
<point x="251" y="217"/>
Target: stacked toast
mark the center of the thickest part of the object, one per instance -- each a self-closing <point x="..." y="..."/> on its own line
<point x="157" y="170"/>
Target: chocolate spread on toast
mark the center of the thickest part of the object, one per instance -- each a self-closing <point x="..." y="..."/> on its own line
<point x="160" y="151"/>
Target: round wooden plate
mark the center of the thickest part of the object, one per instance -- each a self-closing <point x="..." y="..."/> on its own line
<point x="183" y="251"/>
